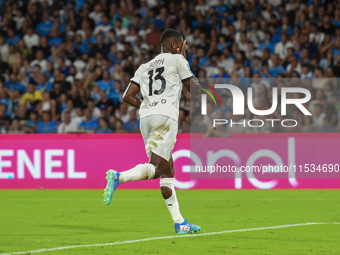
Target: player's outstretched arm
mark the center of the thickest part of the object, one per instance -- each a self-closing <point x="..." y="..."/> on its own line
<point x="130" y="95"/>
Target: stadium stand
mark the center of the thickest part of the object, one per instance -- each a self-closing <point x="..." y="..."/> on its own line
<point x="65" y="64"/>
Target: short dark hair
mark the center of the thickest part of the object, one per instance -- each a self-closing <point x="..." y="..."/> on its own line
<point x="36" y="102"/>
<point x="319" y="68"/>
<point x="47" y="112"/>
<point x="105" y="120"/>
<point x="170" y="33"/>
<point x="34" y="112"/>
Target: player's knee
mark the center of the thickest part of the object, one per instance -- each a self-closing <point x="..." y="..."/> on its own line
<point x="158" y="171"/>
<point x="159" y="164"/>
<point x="166" y="192"/>
<point x="159" y="167"/>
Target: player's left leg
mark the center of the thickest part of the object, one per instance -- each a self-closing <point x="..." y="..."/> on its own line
<point x="167" y="184"/>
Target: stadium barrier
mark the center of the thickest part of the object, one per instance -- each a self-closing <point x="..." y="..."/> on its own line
<point x="79" y="161"/>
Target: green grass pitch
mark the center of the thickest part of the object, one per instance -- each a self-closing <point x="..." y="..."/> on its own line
<point x="39" y="219"/>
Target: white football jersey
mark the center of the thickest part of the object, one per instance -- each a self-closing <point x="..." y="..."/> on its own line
<point x="160" y="81"/>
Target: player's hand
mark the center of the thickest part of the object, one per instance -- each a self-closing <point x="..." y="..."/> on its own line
<point x="183" y="49"/>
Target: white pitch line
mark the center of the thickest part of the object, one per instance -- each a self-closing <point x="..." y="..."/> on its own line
<point x="169" y="237"/>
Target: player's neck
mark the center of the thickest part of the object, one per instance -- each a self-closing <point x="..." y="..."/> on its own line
<point x="165" y="50"/>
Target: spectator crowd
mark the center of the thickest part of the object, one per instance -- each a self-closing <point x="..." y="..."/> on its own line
<point x="64" y="65"/>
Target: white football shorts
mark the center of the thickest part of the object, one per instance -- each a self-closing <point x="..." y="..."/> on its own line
<point x="159" y="133"/>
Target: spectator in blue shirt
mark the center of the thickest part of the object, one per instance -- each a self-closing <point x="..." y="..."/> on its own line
<point x="31" y="125"/>
<point x="161" y="18"/>
<point x="14" y="84"/>
<point x="203" y="59"/>
<point x="45" y="27"/>
<point x="60" y="25"/>
<point x="112" y="55"/>
<point x="151" y="17"/>
<point x="62" y="67"/>
<point x="267" y="43"/>
<point x="255" y="65"/>
<point x="46" y="125"/>
<point x="276" y="36"/>
<point x="285" y="28"/>
<point x="79" y="5"/>
<point x="12" y="37"/>
<point x="143" y="11"/>
<point x="34" y="74"/>
<point x="89" y="124"/>
<point x="116" y="93"/>
<point x="133" y="124"/>
<point x="222" y="75"/>
<point x="104" y="126"/>
<point x="95" y="93"/>
<point x="55" y="38"/>
<point x="4" y="99"/>
<point x="245" y="80"/>
<point x="63" y="102"/>
<point x="221" y="9"/>
<point x="81" y="44"/>
<point x="310" y="46"/>
<point x="106" y="84"/>
<point x="276" y="68"/>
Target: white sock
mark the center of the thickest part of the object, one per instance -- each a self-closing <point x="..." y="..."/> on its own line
<point x="172" y="202"/>
<point x="139" y="172"/>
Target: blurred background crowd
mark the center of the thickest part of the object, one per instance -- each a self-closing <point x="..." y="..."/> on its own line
<point x="65" y="64"/>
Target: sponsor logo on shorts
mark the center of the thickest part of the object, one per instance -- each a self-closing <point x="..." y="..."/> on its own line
<point x="154" y="103"/>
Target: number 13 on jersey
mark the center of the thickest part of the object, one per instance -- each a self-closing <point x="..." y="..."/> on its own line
<point x="159" y="76"/>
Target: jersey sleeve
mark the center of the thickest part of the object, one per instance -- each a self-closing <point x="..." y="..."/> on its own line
<point x="183" y="68"/>
<point x="136" y="79"/>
